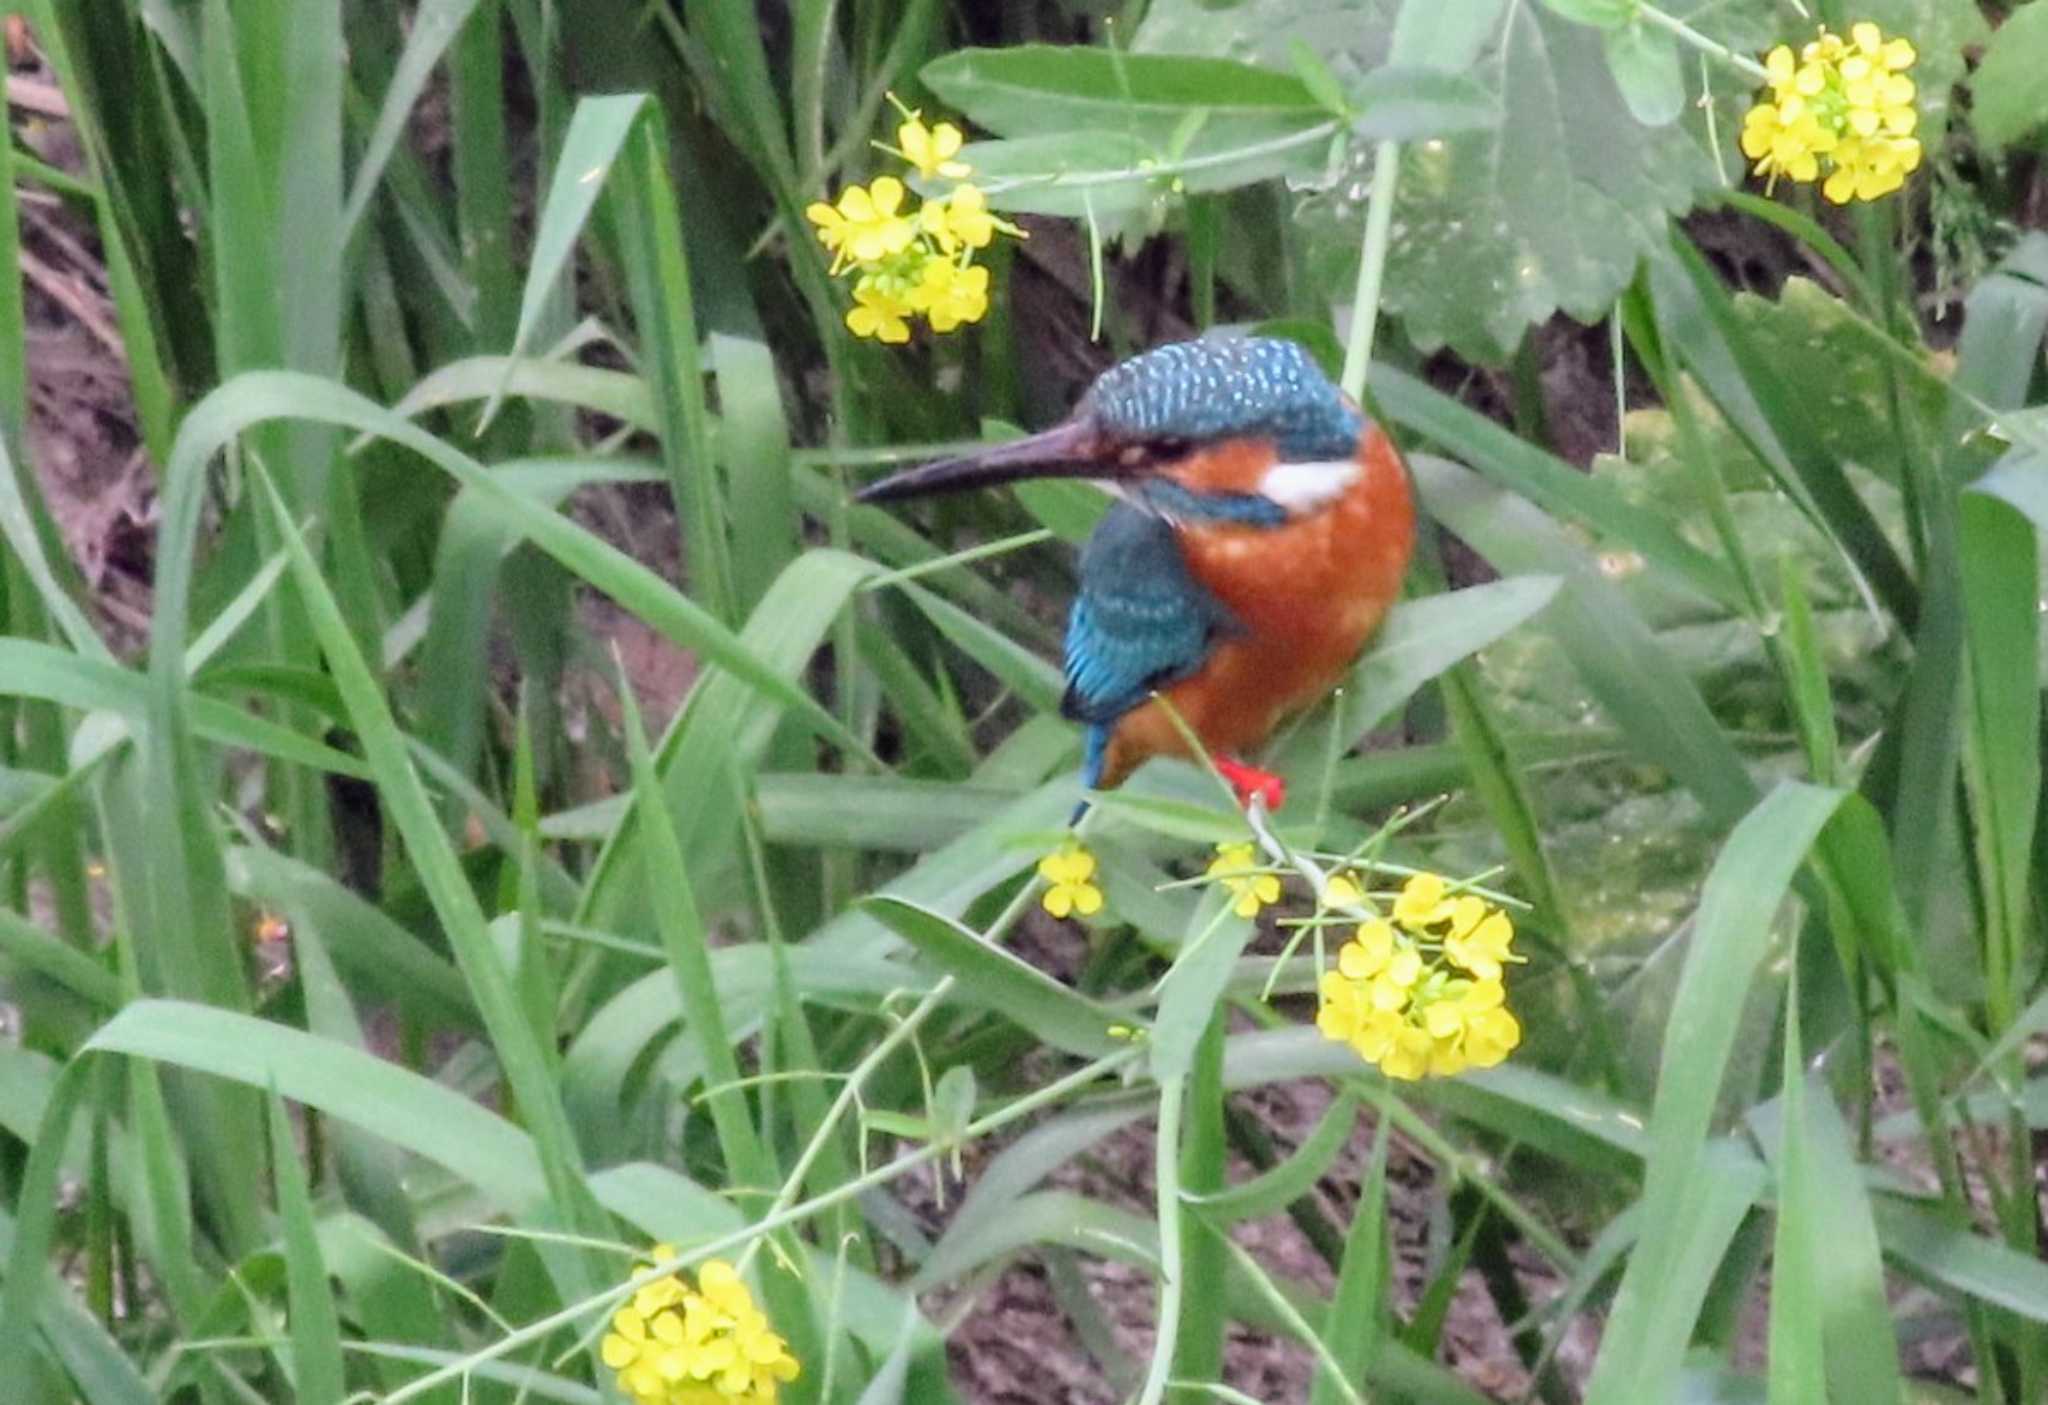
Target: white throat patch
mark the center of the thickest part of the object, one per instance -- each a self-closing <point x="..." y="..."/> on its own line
<point x="1304" y="487"/>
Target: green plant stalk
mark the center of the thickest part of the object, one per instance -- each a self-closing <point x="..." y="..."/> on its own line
<point x="1372" y="267"/>
<point x="1712" y="48"/>
<point x="1447" y="1156"/>
<point x="1332" y="1371"/>
<point x="1203" y="1171"/>
<point x="1172" y="1278"/>
<point x="543" y="1327"/>
<point x="849" y="1092"/>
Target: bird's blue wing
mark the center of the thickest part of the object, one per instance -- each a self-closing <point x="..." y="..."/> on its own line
<point x="1141" y="620"/>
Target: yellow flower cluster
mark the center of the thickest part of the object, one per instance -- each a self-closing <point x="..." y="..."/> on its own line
<point x="1841" y="113"/>
<point x="1237" y="868"/>
<point x="906" y="262"/>
<point x="708" y="1345"/>
<point x="1421" y="993"/>
<point x="1069" y="874"/>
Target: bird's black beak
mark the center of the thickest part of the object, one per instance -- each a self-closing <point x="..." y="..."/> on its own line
<point x="1075" y="449"/>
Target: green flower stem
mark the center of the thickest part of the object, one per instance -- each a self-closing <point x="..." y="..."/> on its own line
<point x="910" y="1161"/>
<point x="1284" y="1308"/>
<point x="1372" y="267"/>
<point x="1712" y="48"/>
<point x="849" y="1092"/>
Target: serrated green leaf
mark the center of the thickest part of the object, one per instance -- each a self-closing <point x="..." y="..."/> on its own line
<point x="1483" y="246"/>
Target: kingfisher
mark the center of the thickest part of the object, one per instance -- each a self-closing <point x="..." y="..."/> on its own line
<point x="1260" y="530"/>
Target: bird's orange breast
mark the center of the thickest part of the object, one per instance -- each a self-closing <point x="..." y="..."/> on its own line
<point x="1308" y="593"/>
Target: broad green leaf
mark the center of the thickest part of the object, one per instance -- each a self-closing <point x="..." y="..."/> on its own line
<point x="1601" y="14"/>
<point x="1031" y="89"/>
<point x="1111" y="176"/>
<point x="411" y="1111"/>
<point x="1065" y="505"/>
<point x="1999" y="557"/>
<point x="1004" y="984"/>
<point x="1399" y="103"/>
<point x="2008" y="98"/>
<point x="1046" y="1217"/>
<point x="1964" y="1261"/>
<point x="1189" y="991"/>
<point x="1644" y="63"/>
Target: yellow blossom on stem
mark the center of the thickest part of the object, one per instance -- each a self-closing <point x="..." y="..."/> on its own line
<point x="1421" y="901"/>
<point x="1420" y="993"/>
<point x="878" y="312"/>
<point x="1343" y="890"/>
<point x="1069" y="873"/>
<point x="932" y="149"/>
<point x="675" y="1344"/>
<point x="962" y="219"/>
<point x="912" y="260"/>
<point x="1237" y="869"/>
<point x="949" y="295"/>
<point x="1841" y="113"/>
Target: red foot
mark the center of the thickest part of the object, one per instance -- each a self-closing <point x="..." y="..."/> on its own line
<point x="1251" y="783"/>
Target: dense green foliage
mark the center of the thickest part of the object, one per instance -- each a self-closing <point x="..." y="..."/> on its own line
<point x="1749" y="715"/>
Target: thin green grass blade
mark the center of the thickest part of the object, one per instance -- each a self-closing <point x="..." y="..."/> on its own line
<point x="1355" y="1327"/>
<point x="681" y="925"/>
<point x="753" y="445"/>
<point x="260" y="396"/>
<point x="1693" y="1200"/>
<point x="1274" y="1190"/>
<point x="527" y="1067"/>
<point x="23" y="942"/>
<point x="1773" y="419"/>
<point x="596" y="137"/>
<point x="316" y="1368"/>
<point x="1798" y="1349"/>
<point x="651" y="233"/>
<point x="1003" y="984"/>
<point x="433" y="27"/>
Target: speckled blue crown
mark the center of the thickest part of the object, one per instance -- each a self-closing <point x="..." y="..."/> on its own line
<point x="1224" y="387"/>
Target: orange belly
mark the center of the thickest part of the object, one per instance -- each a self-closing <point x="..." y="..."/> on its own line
<point x="1309" y="595"/>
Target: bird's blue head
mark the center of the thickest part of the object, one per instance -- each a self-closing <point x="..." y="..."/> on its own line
<point x="1152" y="428"/>
<point x="1197" y="392"/>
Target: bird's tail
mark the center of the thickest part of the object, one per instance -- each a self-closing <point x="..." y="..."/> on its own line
<point x="1094" y="755"/>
